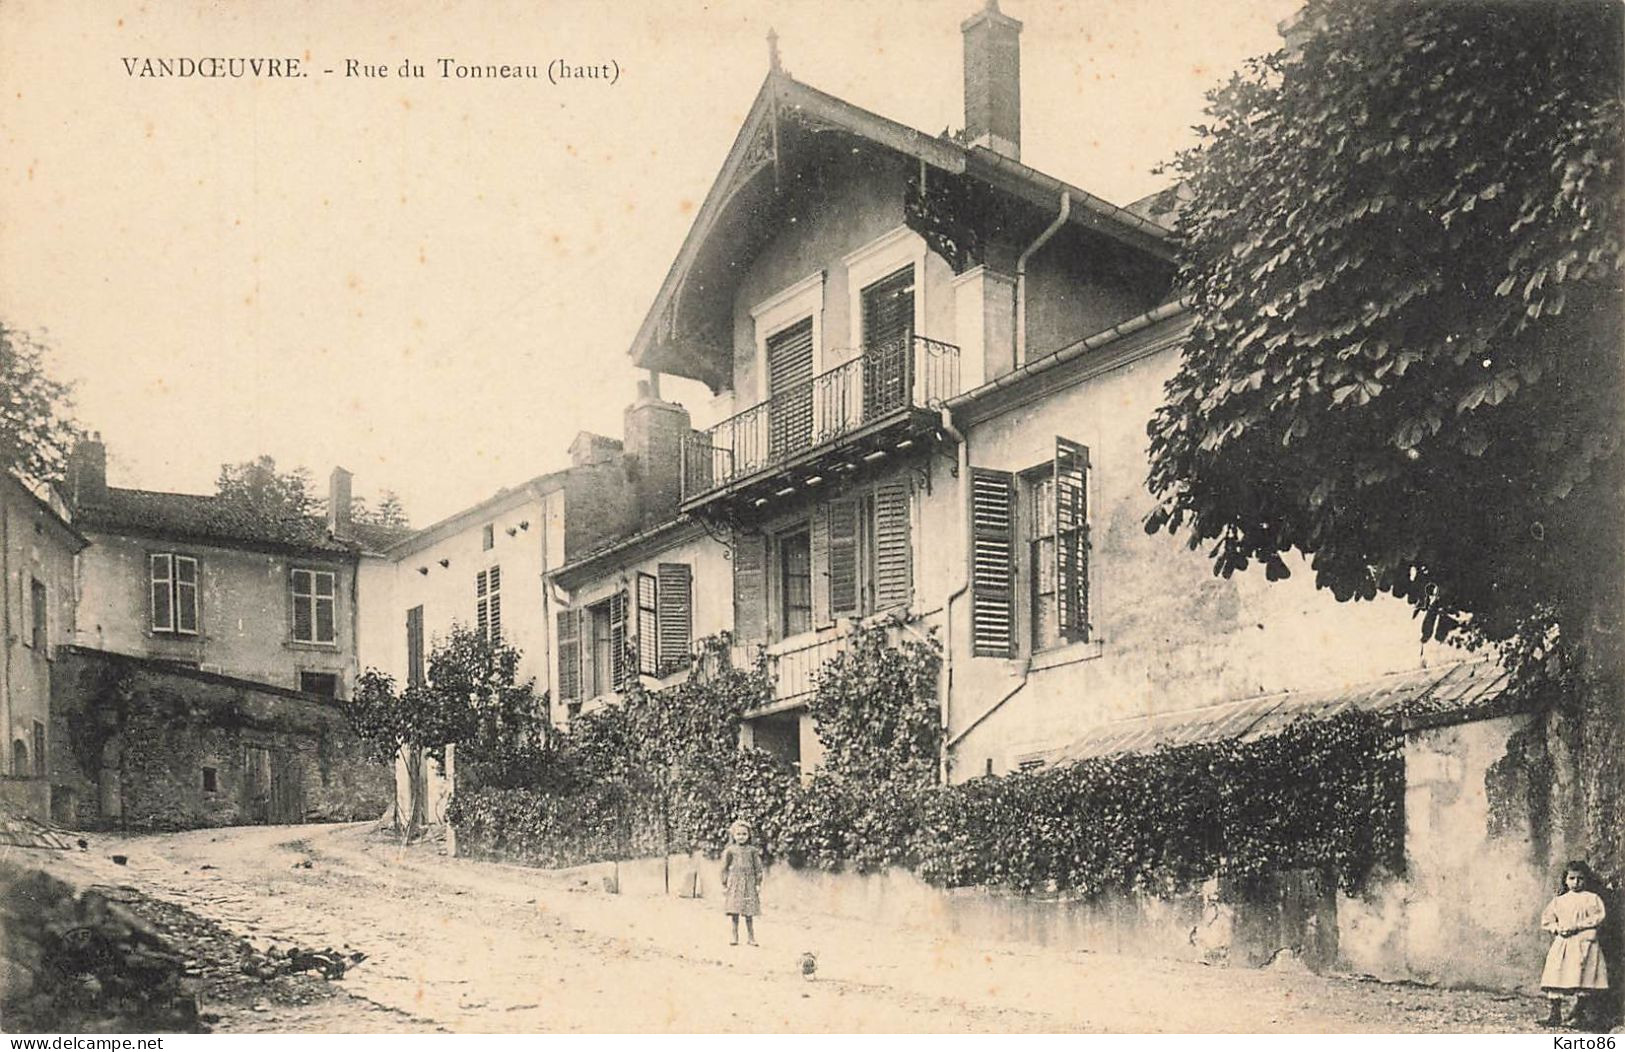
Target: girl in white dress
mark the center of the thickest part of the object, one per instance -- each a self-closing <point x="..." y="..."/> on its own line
<point x="1575" y="970"/>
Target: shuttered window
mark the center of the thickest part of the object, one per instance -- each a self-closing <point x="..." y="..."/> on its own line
<point x="992" y="570"/>
<point x="648" y="645"/>
<point x="789" y="388"/>
<point x="414" y="646"/>
<point x="893" y="557"/>
<point x="843" y="558"/>
<point x="315" y="617"/>
<point x="675" y="616"/>
<point x="569" y="640"/>
<point x="1071" y="475"/>
<point x="888" y="325"/>
<point x="488" y="603"/>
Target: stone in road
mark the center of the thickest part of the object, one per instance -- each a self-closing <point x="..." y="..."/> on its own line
<point x="474" y="947"/>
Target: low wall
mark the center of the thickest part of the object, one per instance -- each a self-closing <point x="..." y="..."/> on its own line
<point x="144" y="746"/>
<point x="1484" y="851"/>
<point x="26" y="796"/>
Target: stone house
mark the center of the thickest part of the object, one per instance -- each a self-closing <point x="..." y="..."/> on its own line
<point x="210" y="646"/>
<point x="38" y="543"/>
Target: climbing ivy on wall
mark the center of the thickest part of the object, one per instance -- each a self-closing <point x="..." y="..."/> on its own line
<point x="664" y="770"/>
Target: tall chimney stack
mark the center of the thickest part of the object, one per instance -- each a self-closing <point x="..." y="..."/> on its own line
<point x="87" y="471"/>
<point x="338" y="503"/>
<point x="993" y="80"/>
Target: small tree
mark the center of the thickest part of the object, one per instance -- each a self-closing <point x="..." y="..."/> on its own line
<point x="390" y="512"/>
<point x="37" y="429"/>
<point x="472" y="698"/>
<point x="258" y="484"/>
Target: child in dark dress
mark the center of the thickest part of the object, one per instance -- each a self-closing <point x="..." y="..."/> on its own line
<point x="741" y="881"/>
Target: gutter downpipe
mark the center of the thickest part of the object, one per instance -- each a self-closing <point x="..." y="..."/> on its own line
<point x="946" y="684"/>
<point x="1021" y="273"/>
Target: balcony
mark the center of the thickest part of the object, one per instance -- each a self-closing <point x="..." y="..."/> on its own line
<point x="861" y="410"/>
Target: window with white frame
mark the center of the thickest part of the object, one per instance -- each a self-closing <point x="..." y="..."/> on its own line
<point x="174" y="591"/>
<point x="315" y="606"/>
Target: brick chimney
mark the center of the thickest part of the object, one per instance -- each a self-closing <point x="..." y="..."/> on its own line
<point x="338" y="503"/>
<point x="654" y="432"/>
<point x="87" y="471"/>
<point x="993" y="80"/>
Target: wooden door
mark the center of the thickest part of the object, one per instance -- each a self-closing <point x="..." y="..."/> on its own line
<point x="287" y="788"/>
<point x="256" y="784"/>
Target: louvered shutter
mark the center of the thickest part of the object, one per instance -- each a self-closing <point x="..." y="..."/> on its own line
<point x="494" y="579"/>
<point x="675" y="620"/>
<point x="992" y="570"/>
<point x="894" y="563"/>
<point x="569" y="633"/>
<point x="1072" y="539"/>
<point x="414" y="646"/>
<point x="617" y="640"/>
<point x="888" y="328"/>
<point x="789" y="386"/>
<point x="843" y="558"/>
<point x="482" y="612"/>
<point x="648" y="646"/>
<point x="750" y="587"/>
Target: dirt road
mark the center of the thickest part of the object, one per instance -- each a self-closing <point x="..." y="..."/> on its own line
<point x="467" y="946"/>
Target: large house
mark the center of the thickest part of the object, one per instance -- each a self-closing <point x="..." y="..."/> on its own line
<point x="933" y="369"/>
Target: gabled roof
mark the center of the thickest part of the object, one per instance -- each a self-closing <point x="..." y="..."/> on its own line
<point x="417" y="540"/>
<point x="50" y="505"/>
<point x="206" y="520"/>
<point x="753" y="167"/>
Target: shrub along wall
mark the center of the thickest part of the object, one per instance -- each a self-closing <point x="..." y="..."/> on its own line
<point x="664" y="773"/>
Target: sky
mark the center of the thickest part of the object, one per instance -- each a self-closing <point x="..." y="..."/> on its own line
<point x="434" y="282"/>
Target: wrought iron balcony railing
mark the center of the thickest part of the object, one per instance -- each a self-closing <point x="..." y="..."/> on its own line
<point x="912" y="373"/>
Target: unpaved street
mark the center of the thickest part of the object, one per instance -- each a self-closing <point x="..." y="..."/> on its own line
<point x="467" y="946"/>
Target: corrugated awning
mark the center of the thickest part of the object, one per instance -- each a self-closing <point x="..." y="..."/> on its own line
<point x="1465" y="688"/>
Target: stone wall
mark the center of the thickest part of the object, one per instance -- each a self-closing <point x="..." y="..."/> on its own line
<point x="143" y="746"/>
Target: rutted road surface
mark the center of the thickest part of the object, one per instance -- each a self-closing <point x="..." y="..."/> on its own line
<point x="467" y="947"/>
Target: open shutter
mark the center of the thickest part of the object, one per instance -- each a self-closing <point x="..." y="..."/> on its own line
<point x="494" y="576"/>
<point x="617" y="640"/>
<point x="894" y="563"/>
<point x="992" y="606"/>
<point x="675" y="618"/>
<point x="414" y="646"/>
<point x="750" y="587"/>
<point x="1072" y="539"/>
<point x="482" y="609"/>
<point x="843" y="558"/>
<point x="569" y="633"/>
<point x="648" y="647"/>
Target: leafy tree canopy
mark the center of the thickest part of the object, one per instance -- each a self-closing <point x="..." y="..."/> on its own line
<point x="37" y="428"/>
<point x="390" y="512"/>
<point x="260" y="485"/>
<point x="1403" y="248"/>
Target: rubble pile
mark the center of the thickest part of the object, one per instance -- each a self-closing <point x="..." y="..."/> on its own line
<point x="78" y="961"/>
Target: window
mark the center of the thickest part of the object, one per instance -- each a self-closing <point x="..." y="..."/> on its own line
<point x="315" y="615"/>
<point x="39" y="749"/>
<point x="174" y="593"/>
<point x="488" y="604"/>
<point x="1038" y="511"/>
<point x="795" y="583"/>
<point x="414" y="646"/>
<point x="606" y="665"/>
<point x="488" y="537"/>
<point x="322" y="684"/>
<point x="870" y="553"/>
<point x="211" y="780"/>
<point x="888" y="347"/>
<point x="38" y="611"/>
<point x="790" y="388"/>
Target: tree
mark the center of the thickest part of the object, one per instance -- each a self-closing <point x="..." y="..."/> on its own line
<point x="391" y="512"/>
<point x="471" y="698"/>
<point x="1404" y="255"/>
<point x="258" y="484"/>
<point x="37" y="428"/>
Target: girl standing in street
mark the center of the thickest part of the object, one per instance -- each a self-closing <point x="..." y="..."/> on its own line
<point x="1575" y="969"/>
<point x="742" y="880"/>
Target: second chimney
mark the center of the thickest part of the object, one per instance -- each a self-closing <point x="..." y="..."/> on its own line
<point x="993" y="80"/>
<point x="338" y="503"/>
